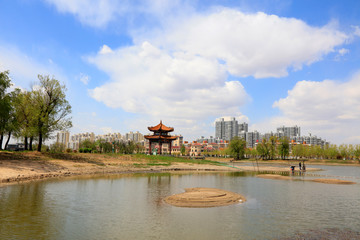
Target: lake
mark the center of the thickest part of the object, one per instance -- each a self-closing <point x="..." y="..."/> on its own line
<point x="131" y="207"/>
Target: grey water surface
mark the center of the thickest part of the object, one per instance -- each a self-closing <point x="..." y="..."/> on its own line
<point x="131" y="207"/>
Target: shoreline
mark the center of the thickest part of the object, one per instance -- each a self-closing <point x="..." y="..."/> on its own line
<point x="33" y="166"/>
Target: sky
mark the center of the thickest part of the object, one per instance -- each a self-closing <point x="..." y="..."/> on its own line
<point x="127" y="64"/>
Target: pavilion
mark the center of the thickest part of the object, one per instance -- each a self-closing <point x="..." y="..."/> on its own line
<point x="160" y="135"/>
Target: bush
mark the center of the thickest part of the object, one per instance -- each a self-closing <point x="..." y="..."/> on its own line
<point x="68" y="150"/>
<point x="85" y="150"/>
<point x="56" y="147"/>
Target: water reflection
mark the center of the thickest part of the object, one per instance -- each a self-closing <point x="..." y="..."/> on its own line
<point x="24" y="211"/>
<point x="131" y="207"/>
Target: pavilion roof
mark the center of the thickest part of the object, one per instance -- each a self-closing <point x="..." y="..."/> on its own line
<point x="162" y="137"/>
<point x="161" y="128"/>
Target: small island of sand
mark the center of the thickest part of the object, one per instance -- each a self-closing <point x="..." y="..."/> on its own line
<point x="274" y="176"/>
<point x="204" y="197"/>
<point x="318" y="180"/>
<point x="332" y="181"/>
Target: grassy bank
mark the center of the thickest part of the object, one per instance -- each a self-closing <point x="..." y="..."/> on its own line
<point x="307" y="161"/>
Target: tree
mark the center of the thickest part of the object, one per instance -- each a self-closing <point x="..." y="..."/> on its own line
<point x="237" y="148"/>
<point x="331" y="152"/>
<point x="183" y="150"/>
<point x="51" y="108"/>
<point x="297" y="150"/>
<point x="5" y="103"/>
<point x="344" y="151"/>
<point x="25" y="113"/>
<point x="263" y="149"/>
<point x="357" y="152"/>
<point x="12" y="123"/>
<point x="272" y="147"/>
<point x="139" y="148"/>
<point x="284" y="147"/>
<point x="88" y="144"/>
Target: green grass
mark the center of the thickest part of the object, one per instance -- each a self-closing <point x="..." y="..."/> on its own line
<point x="168" y="160"/>
<point x="140" y="165"/>
<point x="158" y="164"/>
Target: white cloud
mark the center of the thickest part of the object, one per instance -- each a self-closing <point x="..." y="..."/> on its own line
<point x="107" y="130"/>
<point x="329" y="107"/>
<point x="105" y="49"/>
<point x="181" y="72"/>
<point x="356" y="30"/>
<point x="24" y="69"/>
<point x="178" y="86"/>
<point x="84" y="78"/>
<point x="99" y="13"/>
<point x="258" y="45"/>
<point x="343" y="51"/>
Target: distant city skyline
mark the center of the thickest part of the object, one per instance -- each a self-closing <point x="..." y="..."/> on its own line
<point x="225" y="129"/>
<point x="129" y="64"/>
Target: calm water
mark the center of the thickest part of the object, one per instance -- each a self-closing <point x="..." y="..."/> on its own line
<point x="131" y="207"/>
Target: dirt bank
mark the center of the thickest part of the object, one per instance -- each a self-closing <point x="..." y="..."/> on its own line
<point x="27" y="166"/>
<point x="204" y="197"/>
<point x="332" y="181"/>
<point x="319" y="180"/>
<point x="274" y="176"/>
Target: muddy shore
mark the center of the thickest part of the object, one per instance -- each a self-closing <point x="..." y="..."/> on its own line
<point x="30" y="166"/>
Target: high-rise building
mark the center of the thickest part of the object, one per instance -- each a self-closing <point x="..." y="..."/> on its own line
<point x="227" y="129"/>
<point x="288" y="132"/>
<point x="243" y="127"/>
<point x="63" y="137"/>
<point x="252" y="138"/>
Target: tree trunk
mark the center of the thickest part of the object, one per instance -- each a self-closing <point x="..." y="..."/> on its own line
<point x="7" y="141"/>
<point x="40" y="142"/>
<point x="26" y="143"/>
<point x="30" y="144"/>
<point x="1" y="140"/>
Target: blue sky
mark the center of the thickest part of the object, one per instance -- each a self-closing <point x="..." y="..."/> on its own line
<point x="129" y="64"/>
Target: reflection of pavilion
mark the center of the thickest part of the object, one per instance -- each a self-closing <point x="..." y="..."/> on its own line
<point x="160" y="135"/>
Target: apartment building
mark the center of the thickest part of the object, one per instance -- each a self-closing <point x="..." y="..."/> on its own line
<point x="227" y="128"/>
<point x="63" y="137"/>
<point x="288" y="132"/>
<point x="252" y="138"/>
<point x="76" y="139"/>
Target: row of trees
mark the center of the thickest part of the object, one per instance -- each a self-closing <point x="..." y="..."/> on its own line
<point x="32" y="115"/>
<point x="105" y="147"/>
<point x="275" y="148"/>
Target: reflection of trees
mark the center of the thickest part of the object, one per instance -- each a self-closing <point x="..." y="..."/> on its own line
<point x="159" y="185"/>
<point x="23" y="212"/>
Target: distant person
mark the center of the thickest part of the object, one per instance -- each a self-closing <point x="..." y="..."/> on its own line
<point x="300" y="166"/>
<point x="304" y="168"/>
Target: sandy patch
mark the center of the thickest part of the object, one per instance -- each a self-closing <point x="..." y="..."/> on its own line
<point x="273" y="168"/>
<point x="204" y="197"/>
<point x="274" y="176"/>
<point x="319" y="180"/>
<point x="332" y="181"/>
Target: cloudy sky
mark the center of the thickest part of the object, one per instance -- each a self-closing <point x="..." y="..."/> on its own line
<point x="128" y="64"/>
